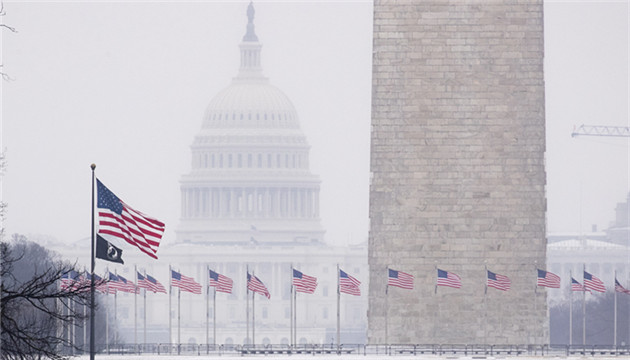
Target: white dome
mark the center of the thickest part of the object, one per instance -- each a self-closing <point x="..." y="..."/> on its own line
<point x="251" y="105"/>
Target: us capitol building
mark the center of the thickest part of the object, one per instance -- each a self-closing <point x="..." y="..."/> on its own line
<point x="249" y="202"/>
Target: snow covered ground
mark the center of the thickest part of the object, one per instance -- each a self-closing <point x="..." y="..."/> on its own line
<point x="344" y="357"/>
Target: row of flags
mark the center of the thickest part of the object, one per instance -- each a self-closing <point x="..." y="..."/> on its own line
<point x="592" y="283"/>
<point x="501" y="282"/>
<point x="114" y="283"/>
<point x="445" y="278"/>
<point x="307" y="284"/>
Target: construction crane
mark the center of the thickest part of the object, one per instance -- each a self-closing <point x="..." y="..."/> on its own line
<point x="601" y="130"/>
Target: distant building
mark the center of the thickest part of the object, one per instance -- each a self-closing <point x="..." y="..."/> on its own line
<point x="602" y="253"/>
<point x="569" y="258"/>
<point x="619" y="230"/>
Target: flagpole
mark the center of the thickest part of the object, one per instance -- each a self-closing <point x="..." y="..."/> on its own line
<point x="107" y="315"/>
<point x="116" y="301"/>
<point x="59" y="328"/>
<point x="615" y="313"/>
<point x="207" y="307"/>
<point x="387" y="307"/>
<point x="571" y="309"/>
<point x="214" y="318"/>
<point x="84" y="327"/>
<point x="294" y="316"/>
<point x="628" y="319"/>
<point x="84" y="346"/>
<point x="72" y="327"/>
<point x="253" y="315"/>
<point x="529" y="332"/>
<point x="436" y="284"/>
<point x="247" y="339"/>
<point x="485" y="305"/>
<point x="179" y="318"/>
<point x="584" y="308"/>
<point x="170" y="317"/>
<point x="144" y="337"/>
<point x="338" y="304"/>
<point x="292" y="337"/>
<point x="135" y="309"/>
<point x="107" y="322"/>
<point x="92" y="351"/>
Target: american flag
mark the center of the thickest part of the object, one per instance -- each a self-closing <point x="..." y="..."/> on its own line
<point x="497" y="281"/>
<point x="127" y="285"/>
<point x="254" y="284"/>
<point x="576" y="286"/>
<point x="620" y="288"/>
<point x="119" y="220"/>
<point x="548" y="279"/>
<point x="185" y="283"/>
<point x="70" y="280"/>
<point x="155" y="285"/>
<point x="399" y="279"/>
<point x="143" y="283"/>
<point x="447" y="278"/>
<point x="220" y="282"/>
<point x="591" y="282"/>
<point x="101" y="286"/>
<point x="304" y="283"/>
<point x="113" y="284"/>
<point x="348" y="284"/>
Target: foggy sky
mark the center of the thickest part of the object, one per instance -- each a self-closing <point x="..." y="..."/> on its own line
<point x="125" y="85"/>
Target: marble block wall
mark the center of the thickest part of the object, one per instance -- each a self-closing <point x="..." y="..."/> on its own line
<point x="458" y="173"/>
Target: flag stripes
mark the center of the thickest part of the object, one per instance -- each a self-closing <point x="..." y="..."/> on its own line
<point x="126" y="285"/>
<point x="185" y="283"/>
<point x="348" y="284"/>
<point x="150" y="285"/>
<point x="591" y="282"/>
<point x="254" y="284"/>
<point x="447" y="278"/>
<point x="69" y="280"/>
<point x="101" y="286"/>
<point x="220" y="282"/>
<point x="304" y="283"/>
<point x="399" y="279"/>
<point x="155" y="285"/>
<point x="120" y="220"/>
<point x="498" y="281"/>
<point x="620" y="288"/>
<point x="576" y="286"/>
<point x="547" y="279"/>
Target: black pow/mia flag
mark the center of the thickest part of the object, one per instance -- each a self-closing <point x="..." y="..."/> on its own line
<point x="106" y="251"/>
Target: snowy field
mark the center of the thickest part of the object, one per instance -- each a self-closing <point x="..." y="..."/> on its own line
<point x="344" y="357"/>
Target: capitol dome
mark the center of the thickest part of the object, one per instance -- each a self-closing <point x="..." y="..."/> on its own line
<point x="251" y="105"/>
<point x="250" y="101"/>
<point x="250" y="165"/>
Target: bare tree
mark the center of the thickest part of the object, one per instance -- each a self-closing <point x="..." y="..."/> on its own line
<point x="36" y="310"/>
<point x="11" y="29"/>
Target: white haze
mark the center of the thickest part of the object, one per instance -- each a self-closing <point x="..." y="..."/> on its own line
<point x="124" y="85"/>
